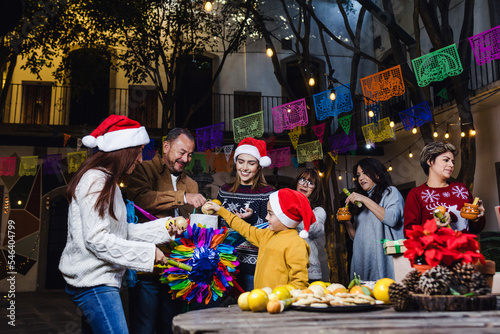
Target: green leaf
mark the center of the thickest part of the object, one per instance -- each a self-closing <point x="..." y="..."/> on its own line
<point x="454" y="292"/>
<point x="470" y="294"/>
<point x="353" y="283"/>
<point x="366" y="291"/>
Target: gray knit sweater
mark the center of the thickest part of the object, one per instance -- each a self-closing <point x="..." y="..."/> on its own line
<point x="98" y="250"/>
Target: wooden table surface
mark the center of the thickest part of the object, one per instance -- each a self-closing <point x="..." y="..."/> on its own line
<point x="381" y="319"/>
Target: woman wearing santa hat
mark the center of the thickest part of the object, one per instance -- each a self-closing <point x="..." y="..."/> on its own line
<point x="247" y="197"/>
<point x="101" y="245"/>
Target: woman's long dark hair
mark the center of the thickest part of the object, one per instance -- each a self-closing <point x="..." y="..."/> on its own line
<point x="378" y="173"/>
<point x="115" y="164"/>
<point x="317" y="197"/>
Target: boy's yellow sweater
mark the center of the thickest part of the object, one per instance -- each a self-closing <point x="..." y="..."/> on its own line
<point x="283" y="256"/>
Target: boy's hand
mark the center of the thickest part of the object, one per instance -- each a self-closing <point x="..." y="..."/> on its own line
<point x="210" y="205"/>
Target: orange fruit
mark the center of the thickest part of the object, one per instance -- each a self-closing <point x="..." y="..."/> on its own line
<point x="282" y="292"/>
<point x="257" y="300"/>
<point x="381" y="289"/>
<point x="243" y="301"/>
<point x="339" y="290"/>
<point x="361" y="290"/>
<point x="442" y="209"/>
<point x="216" y="201"/>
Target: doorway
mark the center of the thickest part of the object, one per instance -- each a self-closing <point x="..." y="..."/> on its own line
<point x="90" y="73"/>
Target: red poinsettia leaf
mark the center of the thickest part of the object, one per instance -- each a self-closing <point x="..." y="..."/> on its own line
<point x="430" y="226"/>
<point x="433" y="257"/>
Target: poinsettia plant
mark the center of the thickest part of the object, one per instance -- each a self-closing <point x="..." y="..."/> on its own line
<point x="441" y="246"/>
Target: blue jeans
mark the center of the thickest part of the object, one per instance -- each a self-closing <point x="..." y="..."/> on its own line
<point x="102" y="309"/>
<point x="151" y="307"/>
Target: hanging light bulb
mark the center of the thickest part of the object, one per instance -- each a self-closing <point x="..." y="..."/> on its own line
<point x="269" y="51"/>
<point x="410" y="154"/>
<point x="472" y="132"/>
<point x="289" y="110"/>
<point x="312" y="82"/>
<point x="462" y="134"/>
<point x="340" y="177"/>
<point x="447" y="135"/>
<point x="371" y="113"/>
<point x="320" y="173"/>
<point x="332" y="95"/>
<point x="414" y="130"/>
<point x="121" y="184"/>
<point x="19" y="202"/>
<point x="435" y="134"/>
<point x="391" y="124"/>
<point x="368" y="146"/>
<point x="208" y="6"/>
<point x="390" y="167"/>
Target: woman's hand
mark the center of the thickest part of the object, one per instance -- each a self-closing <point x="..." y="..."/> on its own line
<point x="160" y="257"/>
<point x="447" y="222"/>
<point x="481" y="209"/>
<point x="355" y="197"/>
<point x="244" y="215"/>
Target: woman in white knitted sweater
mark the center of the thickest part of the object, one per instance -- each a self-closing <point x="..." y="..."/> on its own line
<point x="101" y="245"/>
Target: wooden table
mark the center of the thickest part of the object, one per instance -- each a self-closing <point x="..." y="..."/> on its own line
<point x="382" y="319"/>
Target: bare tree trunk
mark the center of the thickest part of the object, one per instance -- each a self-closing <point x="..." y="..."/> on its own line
<point x="6" y="86"/>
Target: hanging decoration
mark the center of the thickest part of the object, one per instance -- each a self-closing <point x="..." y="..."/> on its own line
<point x="416" y="116"/>
<point x="52" y="164"/>
<point x="383" y="85"/>
<point x="443" y="93"/>
<point x="280" y="157"/>
<point x="6" y="205"/>
<point x="342" y="143"/>
<point x="343" y="101"/>
<point x="218" y="162"/>
<point x="345" y="122"/>
<point x="228" y="149"/>
<point x="437" y="65"/>
<point x="290" y="115"/>
<point x="295" y="162"/>
<point x="28" y="165"/>
<point x="270" y="142"/>
<point x="377" y="132"/>
<point x="248" y="126"/>
<point x="209" y="137"/>
<point x="323" y="105"/>
<point x="66" y="139"/>
<point x="309" y="152"/>
<point x="294" y="136"/>
<point x="7" y="166"/>
<point x="75" y="160"/>
<point x="334" y="155"/>
<point x="319" y="130"/>
<point x="486" y="45"/>
<point x="148" y="152"/>
<point x="212" y="263"/>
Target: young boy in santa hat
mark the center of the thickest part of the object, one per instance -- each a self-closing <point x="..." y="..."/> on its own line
<point x="283" y="254"/>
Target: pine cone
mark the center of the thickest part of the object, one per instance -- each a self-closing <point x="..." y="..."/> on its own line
<point x="463" y="273"/>
<point x="411" y="281"/>
<point x="400" y="297"/>
<point x="479" y="285"/>
<point x="435" y="281"/>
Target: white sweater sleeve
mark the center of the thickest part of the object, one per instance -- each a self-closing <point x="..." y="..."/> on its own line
<point x="106" y="237"/>
<point x="154" y="231"/>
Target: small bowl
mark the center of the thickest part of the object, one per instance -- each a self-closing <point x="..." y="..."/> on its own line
<point x="343" y="214"/>
<point x="469" y="211"/>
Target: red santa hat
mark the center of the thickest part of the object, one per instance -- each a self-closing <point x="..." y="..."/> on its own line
<point x="291" y="207"/>
<point x="256" y="148"/>
<point x="116" y="133"/>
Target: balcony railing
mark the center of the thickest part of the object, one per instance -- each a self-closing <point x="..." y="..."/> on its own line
<point x="48" y="104"/>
